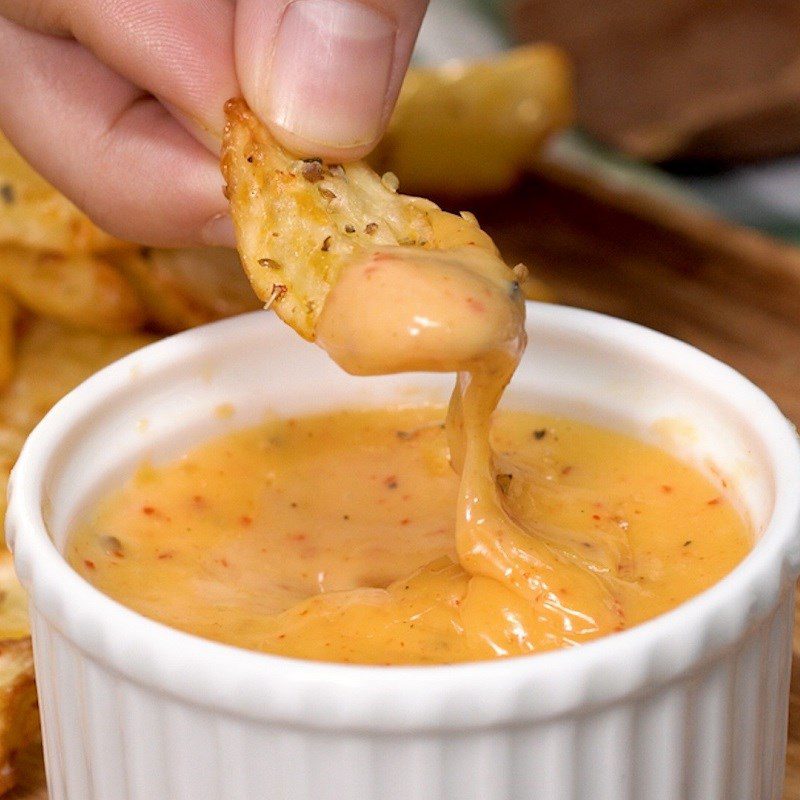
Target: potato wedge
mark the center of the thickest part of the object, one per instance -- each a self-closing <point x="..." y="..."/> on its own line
<point x="8" y="317"/>
<point x="470" y="128"/>
<point x="34" y="214"/>
<point x="19" y="712"/>
<point x="19" y="708"/>
<point x="52" y="360"/>
<point x="85" y="291"/>
<point x="188" y="287"/>
<point x="301" y="222"/>
<point x="13" y="602"/>
<point x="11" y="441"/>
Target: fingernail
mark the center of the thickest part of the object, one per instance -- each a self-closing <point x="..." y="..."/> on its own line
<point x="330" y="72"/>
<point x="219" y="231"/>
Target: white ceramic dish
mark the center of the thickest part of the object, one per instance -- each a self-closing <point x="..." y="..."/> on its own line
<point x="689" y="706"/>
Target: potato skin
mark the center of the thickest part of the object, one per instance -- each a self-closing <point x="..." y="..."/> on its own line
<point x="467" y="129"/>
<point x="300" y="223"/>
<point x="34" y="215"/>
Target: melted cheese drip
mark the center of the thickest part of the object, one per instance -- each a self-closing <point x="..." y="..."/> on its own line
<point x="458" y="311"/>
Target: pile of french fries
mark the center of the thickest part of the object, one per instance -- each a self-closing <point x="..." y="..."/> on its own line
<point x="73" y="298"/>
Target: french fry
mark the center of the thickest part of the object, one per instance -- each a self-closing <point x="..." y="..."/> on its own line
<point x="188" y="287"/>
<point x="33" y="214"/>
<point x="85" y="291"/>
<point x="471" y="128"/>
<point x="301" y="222"/>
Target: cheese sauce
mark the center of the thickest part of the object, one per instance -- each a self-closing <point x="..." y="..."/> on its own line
<point x="334" y="538"/>
<point x="461" y="311"/>
<point x="390" y="537"/>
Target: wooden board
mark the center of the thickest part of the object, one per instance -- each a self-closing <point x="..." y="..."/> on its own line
<point x="729" y="291"/>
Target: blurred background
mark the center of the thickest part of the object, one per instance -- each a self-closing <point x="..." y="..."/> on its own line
<point x="703" y="96"/>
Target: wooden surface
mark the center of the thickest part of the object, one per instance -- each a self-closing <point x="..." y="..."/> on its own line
<point x="731" y="292"/>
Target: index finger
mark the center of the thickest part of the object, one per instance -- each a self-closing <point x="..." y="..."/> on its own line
<point x="180" y="51"/>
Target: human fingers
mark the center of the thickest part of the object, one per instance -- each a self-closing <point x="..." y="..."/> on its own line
<point x="107" y="144"/>
<point x="324" y="75"/>
<point x="180" y="51"/>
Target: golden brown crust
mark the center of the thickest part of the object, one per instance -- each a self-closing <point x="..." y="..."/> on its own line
<point x="187" y="287"/>
<point x="33" y="214"/>
<point x="19" y="711"/>
<point x="81" y="290"/>
<point x="471" y="128"/>
<point x="301" y="222"/>
<point x="19" y="708"/>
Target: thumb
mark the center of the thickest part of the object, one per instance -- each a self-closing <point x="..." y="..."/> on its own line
<point x="324" y="75"/>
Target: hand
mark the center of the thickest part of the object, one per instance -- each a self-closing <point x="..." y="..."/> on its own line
<point x="119" y="102"/>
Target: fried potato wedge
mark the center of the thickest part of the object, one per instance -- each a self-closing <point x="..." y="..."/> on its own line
<point x="11" y="441"/>
<point x="52" y="360"/>
<point x="13" y="602"/>
<point x="85" y="291"/>
<point x="188" y="287"/>
<point x="301" y="222"/>
<point x="8" y="317"/>
<point x="19" y="709"/>
<point x="34" y="214"/>
<point x="470" y="128"/>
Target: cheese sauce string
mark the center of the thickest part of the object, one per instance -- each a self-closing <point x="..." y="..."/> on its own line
<point x="461" y="311"/>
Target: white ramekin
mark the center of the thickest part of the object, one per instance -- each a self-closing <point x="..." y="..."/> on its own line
<point x="690" y="705"/>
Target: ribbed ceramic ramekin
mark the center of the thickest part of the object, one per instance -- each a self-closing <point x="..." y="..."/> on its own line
<point x="691" y="705"/>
